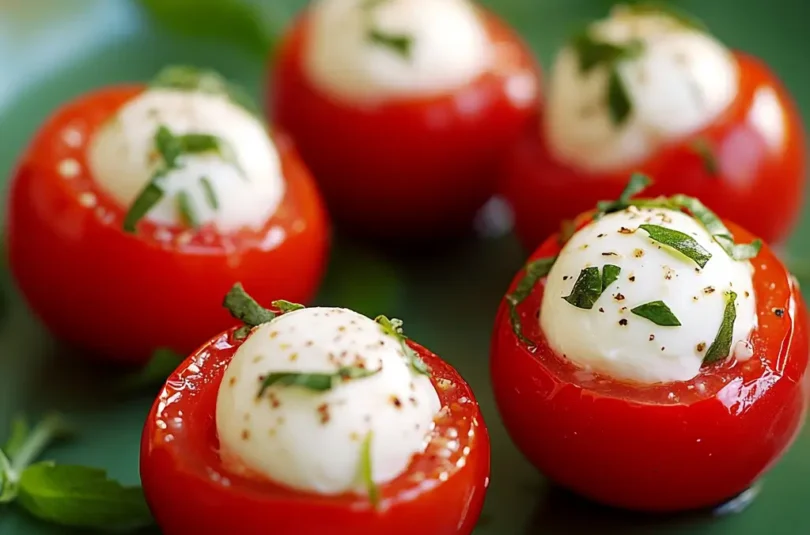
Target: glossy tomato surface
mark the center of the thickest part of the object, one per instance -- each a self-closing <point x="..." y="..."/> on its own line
<point x="408" y="168"/>
<point x="122" y="295"/>
<point x="667" y="446"/>
<point x="190" y="490"/>
<point x="758" y="146"/>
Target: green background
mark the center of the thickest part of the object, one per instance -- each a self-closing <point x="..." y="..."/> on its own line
<point x="53" y="50"/>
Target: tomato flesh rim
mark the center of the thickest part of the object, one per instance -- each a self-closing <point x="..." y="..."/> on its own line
<point x="190" y="439"/>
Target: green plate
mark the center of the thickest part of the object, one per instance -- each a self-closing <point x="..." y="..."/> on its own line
<point x="51" y="51"/>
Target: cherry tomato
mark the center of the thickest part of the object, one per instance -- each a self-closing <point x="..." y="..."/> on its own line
<point x="121" y="295"/>
<point x="666" y="446"/>
<point x="408" y="168"/>
<point x="190" y="491"/>
<point x="756" y="182"/>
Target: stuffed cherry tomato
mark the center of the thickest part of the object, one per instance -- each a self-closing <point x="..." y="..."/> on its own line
<point x="316" y="420"/>
<point x="651" y="362"/>
<point x="642" y="90"/>
<point x="403" y="109"/>
<point x="135" y="207"/>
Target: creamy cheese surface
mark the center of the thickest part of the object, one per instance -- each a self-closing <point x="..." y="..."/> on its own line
<point x="311" y="441"/>
<point x="246" y="179"/>
<point x="678" y="82"/>
<point x="611" y="339"/>
<point x="371" y="50"/>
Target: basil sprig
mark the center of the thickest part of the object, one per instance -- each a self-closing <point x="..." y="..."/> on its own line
<point x="590" y="285"/>
<point x="534" y="271"/>
<point x="247" y="310"/>
<point x="316" y="382"/>
<point x="703" y="149"/>
<point x="399" y="43"/>
<point x="188" y="78"/>
<point x="657" y="312"/>
<point x="721" y="347"/>
<point x="72" y="496"/>
<point x="393" y="328"/>
<point x="681" y="242"/>
<point x="637" y="183"/>
<point x="366" y="473"/>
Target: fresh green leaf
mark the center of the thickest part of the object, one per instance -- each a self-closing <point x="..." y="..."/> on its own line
<point x="286" y="306"/>
<point x="188" y="214"/>
<point x="665" y="8"/>
<point x="587" y="289"/>
<point x="393" y="327"/>
<point x="9" y="486"/>
<point x="245" y="308"/>
<point x="188" y="78"/>
<point x="681" y="242"/>
<point x="610" y="274"/>
<point x="534" y="271"/>
<point x="145" y="201"/>
<point x="79" y="496"/>
<point x="704" y="150"/>
<point x="593" y="52"/>
<point x="317" y="382"/>
<point x="19" y="434"/>
<point x="400" y="44"/>
<point x="169" y="146"/>
<point x="366" y="473"/>
<point x="721" y="347"/>
<point x="715" y="227"/>
<point x="242" y="332"/>
<point x="51" y="428"/>
<point x="637" y="183"/>
<point x="162" y="364"/>
<point x="209" y="192"/>
<point x="619" y="104"/>
<point x="657" y="312"/>
<point x="196" y="143"/>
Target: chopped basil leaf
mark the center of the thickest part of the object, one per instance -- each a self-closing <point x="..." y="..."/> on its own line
<point x="610" y="274"/>
<point x="188" y="214"/>
<point x="715" y="227"/>
<point x="82" y="497"/>
<point x="366" y="473"/>
<point x="245" y="308"/>
<point x="721" y="347"/>
<point x="593" y="52"/>
<point x="242" y="332"/>
<point x="534" y="271"/>
<point x="704" y="150"/>
<point x="145" y="201"/>
<point x="195" y="143"/>
<point x="567" y="229"/>
<point x="317" y="382"/>
<point x="168" y="145"/>
<point x="400" y="44"/>
<point x="210" y="194"/>
<point x="619" y="104"/>
<point x="657" y="312"/>
<point x="637" y="183"/>
<point x="681" y="242"/>
<point x="286" y="306"/>
<point x="187" y="78"/>
<point x="393" y="327"/>
<point x="587" y="289"/>
<point x="162" y="363"/>
<point x="664" y="8"/>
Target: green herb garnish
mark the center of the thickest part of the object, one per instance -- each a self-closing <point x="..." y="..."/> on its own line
<point x="681" y="242"/>
<point x="401" y="44"/>
<point x="637" y="183"/>
<point x="73" y="496"/>
<point x="592" y="53"/>
<point x="590" y="285"/>
<point x="187" y="78"/>
<point x="366" y="471"/>
<point x="210" y="194"/>
<point x="145" y="201"/>
<point x="705" y="152"/>
<point x="721" y="347"/>
<point x="534" y="271"/>
<point x="188" y="214"/>
<point x="393" y="327"/>
<point x="286" y="306"/>
<point x="657" y="312"/>
<point x="247" y="310"/>
<point x="317" y="382"/>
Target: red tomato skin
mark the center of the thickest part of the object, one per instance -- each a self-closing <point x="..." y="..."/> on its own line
<point x="183" y="476"/>
<point x="120" y="296"/>
<point x="759" y="187"/>
<point x="634" y="446"/>
<point x="406" y="169"/>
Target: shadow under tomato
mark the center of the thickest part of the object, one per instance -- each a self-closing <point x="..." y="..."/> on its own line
<point x="560" y="511"/>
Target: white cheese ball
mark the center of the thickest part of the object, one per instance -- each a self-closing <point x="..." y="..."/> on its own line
<point x="450" y="47"/>
<point x="248" y="184"/>
<point x="682" y="80"/>
<point x="311" y="441"/>
<point x="609" y="338"/>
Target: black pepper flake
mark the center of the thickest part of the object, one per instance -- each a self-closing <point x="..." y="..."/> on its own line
<point x="601" y="309"/>
<point x="601" y="235"/>
<point x="565" y="277"/>
<point x="638" y="253"/>
<point x="632" y="278"/>
<point x="618" y="297"/>
<point x="779" y="312"/>
<point x="700" y="347"/>
<point x="623" y="321"/>
<point x="747" y="293"/>
<point x="708" y="290"/>
<point x="625" y="230"/>
<point x="610" y="253"/>
<point x="652" y="337"/>
<point x="662" y="348"/>
<point x="323" y="411"/>
<point x="245" y="434"/>
<point x="396" y="402"/>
